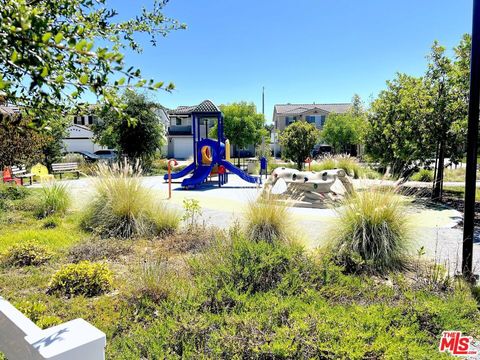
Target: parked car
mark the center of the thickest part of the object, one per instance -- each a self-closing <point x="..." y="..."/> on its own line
<point x="110" y="155"/>
<point x="88" y="156"/>
<point x="320" y="150"/>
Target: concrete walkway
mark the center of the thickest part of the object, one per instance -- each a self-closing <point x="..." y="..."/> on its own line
<point x="434" y="228"/>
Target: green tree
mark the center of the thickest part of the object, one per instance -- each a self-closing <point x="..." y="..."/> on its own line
<point x="341" y="131"/>
<point x="138" y="139"/>
<point x="242" y="125"/>
<point x="396" y="134"/>
<point x="298" y="140"/>
<point x="20" y="143"/>
<point x="56" y="51"/>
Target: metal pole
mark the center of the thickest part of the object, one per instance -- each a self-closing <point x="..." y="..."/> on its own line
<point x="472" y="137"/>
<point x="263" y="101"/>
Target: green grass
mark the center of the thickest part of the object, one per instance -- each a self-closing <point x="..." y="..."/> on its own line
<point x="423" y="175"/>
<point x="233" y="297"/>
<point x="459" y="192"/>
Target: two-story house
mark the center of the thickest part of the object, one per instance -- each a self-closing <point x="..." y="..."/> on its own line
<point x="286" y="114"/>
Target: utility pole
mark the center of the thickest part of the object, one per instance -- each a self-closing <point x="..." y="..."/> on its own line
<point x="263" y="101"/>
<point x="472" y="138"/>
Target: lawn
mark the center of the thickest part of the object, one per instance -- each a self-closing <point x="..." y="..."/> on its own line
<point x="209" y="293"/>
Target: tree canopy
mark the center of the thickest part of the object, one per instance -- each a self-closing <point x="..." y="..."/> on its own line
<point x="298" y="140"/>
<point x="341" y="131"/>
<point x="242" y="125"/>
<point x="56" y="51"/>
<point x="138" y="140"/>
<point x="421" y="118"/>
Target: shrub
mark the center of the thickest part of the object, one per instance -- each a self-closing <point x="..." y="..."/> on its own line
<point x="122" y="207"/>
<point x="192" y="211"/>
<point x="54" y="199"/>
<point x="371" y="231"/>
<point x="99" y="249"/>
<point x="346" y="162"/>
<point x="266" y="220"/>
<point x="26" y="253"/>
<point x="35" y="311"/>
<point x="85" y="278"/>
<point x="423" y="175"/>
<point x="12" y="192"/>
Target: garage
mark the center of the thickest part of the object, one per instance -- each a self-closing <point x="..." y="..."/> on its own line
<point x="182" y="147"/>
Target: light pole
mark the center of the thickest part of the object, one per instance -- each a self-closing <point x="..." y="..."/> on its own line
<point x="472" y="138"/>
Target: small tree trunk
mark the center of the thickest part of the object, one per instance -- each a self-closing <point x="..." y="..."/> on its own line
<point x="438" y="185"/>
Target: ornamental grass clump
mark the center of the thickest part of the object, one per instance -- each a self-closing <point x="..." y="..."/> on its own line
<point x="346" y="162"/>
<point x="53" y="199"/>
<point x="371" y="232"/>
<point x="267" y="220"/>
<point x="123" y="208"/>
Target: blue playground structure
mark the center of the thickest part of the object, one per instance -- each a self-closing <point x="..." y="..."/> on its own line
<point x="210" y="156"/>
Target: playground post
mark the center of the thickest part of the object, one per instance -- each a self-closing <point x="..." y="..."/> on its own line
<point x="169" y="169"/>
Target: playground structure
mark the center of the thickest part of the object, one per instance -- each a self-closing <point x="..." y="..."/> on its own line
<point x="309" y="188"/>
<point x="210" y="156"/>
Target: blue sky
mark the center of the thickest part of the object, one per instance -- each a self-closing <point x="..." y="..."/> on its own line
<point x="301" y="51"/>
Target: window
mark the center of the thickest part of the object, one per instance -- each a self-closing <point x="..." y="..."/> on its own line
<point x="289" y="120"/>
<point x="322" y="120"/>
<point x="90" y="119"/>
<point x="178" y="121"/>
<point x="310" y="119"/>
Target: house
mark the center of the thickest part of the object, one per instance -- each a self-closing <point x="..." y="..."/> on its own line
<point x="180" y="133"/>
<point x="286" y="114"/>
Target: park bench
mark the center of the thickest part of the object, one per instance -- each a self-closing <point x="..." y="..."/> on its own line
<point x="20" y="338"/>
<point x="64" y="168"/>
<point x="20" y="172"/>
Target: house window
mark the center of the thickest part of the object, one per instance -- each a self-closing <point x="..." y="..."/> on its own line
<point x="90" y="119"/>
<point x="290" y="119"/>
<point x="310" y="119"/>
<point x="322" y="120"/>
<point x="178" y="121"/>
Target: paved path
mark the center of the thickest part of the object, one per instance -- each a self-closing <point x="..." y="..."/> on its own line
<point x="435" y="228"/>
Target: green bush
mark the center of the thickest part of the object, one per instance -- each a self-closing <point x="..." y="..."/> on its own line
<point x="35" y="311"/>
<point x="12" y="192"/>
<point x="267" y="220"/>
<point x="123" y="208"/>
<point x="371" y="231"/>
<point x="26" y="253"/>
<point x="423" y="175"/>
<point x="53" y="199"/>
<point x="85" y="278"/>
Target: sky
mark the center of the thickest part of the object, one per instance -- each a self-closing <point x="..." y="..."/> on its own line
<point x="301" y="51"/>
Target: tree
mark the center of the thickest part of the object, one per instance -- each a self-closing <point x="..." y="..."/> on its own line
<point x="56" y="51"/>
<point x="20" y="143"/>
<point x="242" y="125"/>
<point x="298" y="140"/>
<point x="341" y="131"/>
<point x="444" y="114"/>
<point x="139" y="139"/>
<point x="396" y="134"/>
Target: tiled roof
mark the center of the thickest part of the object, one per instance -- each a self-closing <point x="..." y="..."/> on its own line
<point x="205" y="106"/>
<point x="301" y="108"/>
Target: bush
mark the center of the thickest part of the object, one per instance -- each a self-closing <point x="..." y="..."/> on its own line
<point x="123" y="208"/>
<point x="54" y="199"/>
<point x="35" y="311"/>
<point x="99" y="249"/>
<point x="85" y="278"/>
<point x="423" y="175"/>
<point x="346" y="162"/>
<point x="26" y="253"/>
<point x="12" y="192"/>
<point x="266" y="220"/>
<point x="371" y="231"/>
